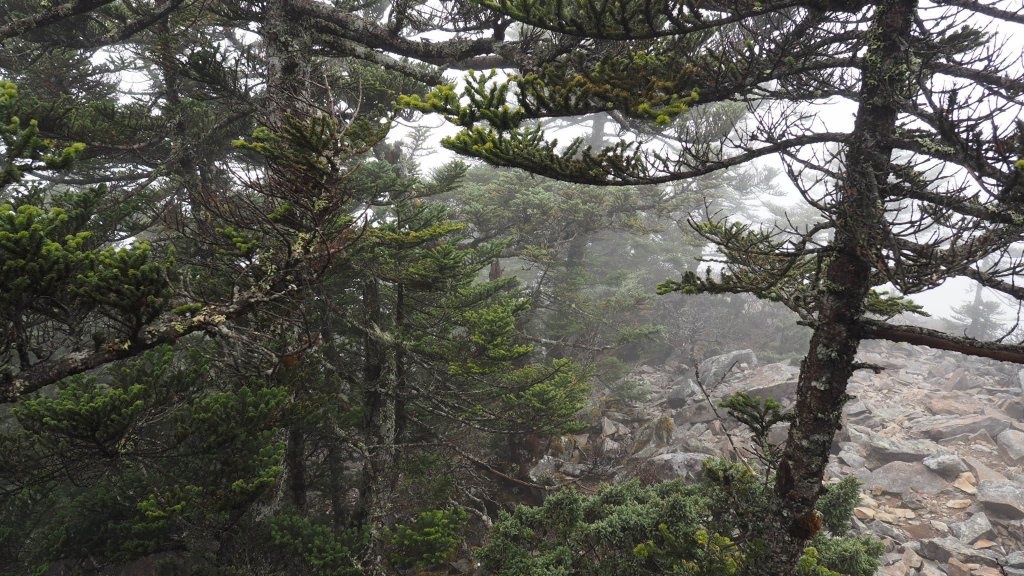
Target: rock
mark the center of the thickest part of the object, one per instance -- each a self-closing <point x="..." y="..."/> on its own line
<point x="1002" y="498"/>
<point x="884" y="449"/>
<point x="965" y="482"/>
<point x="715" y="369"/>
<point x="545" y="469"/>
<point x="972" y="529"/>
<point x="889" y="531"/>
<point x="608" y="428"/>
<point x="983" y="472"/>
<point x="937" y="428"/>
<point x="851" y="459"/>
<point x="1015" y="559"/>
<point x="683" y="392"/>
<point x="687" y="465"/>
<point x="957" y="568"/>
<point x="942" y="549"/>
<point x="1012" y="444"/>
<point x="946" y="465"/>
<point x="609" y="447"/>
<point x="855" y="409"/>
<point x="958" y="504"/>
<point x="904" y="477"/>
<point x="864" y="513"/>
<point x="910" y="558"/>
<point x="896" y="569"/>
<point x="694" y="413"/>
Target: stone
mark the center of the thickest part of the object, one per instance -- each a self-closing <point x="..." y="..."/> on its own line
<point x="957" y="568"/>
<point x="946" y="465"/>
<point x="896" y="569"/>
<point x="910" y="558"/>
<point x="545" y="469"/>
<point x="965" y="482"/>
<point x="608" y="428"/>
<point x="1004" y="499"/>
<point x="958" y="504"/>
<point x="903" y="478"/>
<point x="904" y="513"/>
<point x="609" y="447"/>
<point x="851" y="459"/>
<point x="937" y="428"/>
<point x="1012" y="444"/>
<point x="687" y="465"/>
<point x="884" y="449"/>
<point x="864" y="513"/>
<point x="970" y="530"/>
<point x="714" y="370"/>
<point x="982" y="471"/>
<point x="942" y="549"/>
<point x="694" y="413"/>
<point x="888" y="530"/>
<point x="683" y="392"/>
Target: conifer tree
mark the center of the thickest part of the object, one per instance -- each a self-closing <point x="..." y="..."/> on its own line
<point x="923" y="187"/>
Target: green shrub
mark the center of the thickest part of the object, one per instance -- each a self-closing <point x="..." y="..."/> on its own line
<point x="429" y="540"/>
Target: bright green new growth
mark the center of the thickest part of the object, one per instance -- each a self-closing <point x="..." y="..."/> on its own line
<point x="429" y="539"/>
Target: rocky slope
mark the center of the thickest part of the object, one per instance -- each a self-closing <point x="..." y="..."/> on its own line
<point x="937" y="438"/>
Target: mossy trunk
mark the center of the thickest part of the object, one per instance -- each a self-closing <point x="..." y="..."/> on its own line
<point x="887" y="81"/>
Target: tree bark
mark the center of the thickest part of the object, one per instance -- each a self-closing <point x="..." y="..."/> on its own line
<point x="886" y="82"/>
<point x="380" y="375"/>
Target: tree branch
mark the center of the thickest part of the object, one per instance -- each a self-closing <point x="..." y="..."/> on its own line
<point x="878" y="330"/>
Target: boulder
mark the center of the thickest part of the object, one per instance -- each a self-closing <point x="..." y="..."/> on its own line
<point x="903" y="478"/>
<point x="938" y="428"/>
<point x="686" y="465"/>
<point x="883" y="449"/>
<point x="1012" y="444"/>
<point x="970" y="530"/>
<point x="683" y="392"/>
<point x="1004" y="499"/>
<point x="946" y="465"/>
<point x="946" y="547"/>
<point x="715" y="369"/>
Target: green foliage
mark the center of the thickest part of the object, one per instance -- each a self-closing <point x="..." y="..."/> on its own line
<point x="759" y="415"/>
<point x="837" y="503"/>
<point x="626" y="529"/>
<point x="24" y="150"/>
<point x="146" y="456"/>
<point x="430" y="539"/>
<point x="320" y="549"/>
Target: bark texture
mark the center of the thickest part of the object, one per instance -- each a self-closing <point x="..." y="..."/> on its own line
<point x="826" y="370"/>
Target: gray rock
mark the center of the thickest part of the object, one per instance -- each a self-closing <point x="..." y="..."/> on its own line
<point x="938" y="428"/>
<point x="683" y="392"/>
<point x="687" y="465"/>
<point x="903" y="478"/>
<point x="889" y="531"/>
<point x="968" y="531"/>
<point x="545" y="469"/>
<point x="1002" y="498"/>
<point x="884" y="449"/>
<point x="1012" y="443"/>
<point x="696" y="412"/>
<point x="851" y="459"/>
<point x="946" y="465"/>
<point x="946" y="547"/>
<point x="1014" y="559"/>
<point x="714" y="370"/>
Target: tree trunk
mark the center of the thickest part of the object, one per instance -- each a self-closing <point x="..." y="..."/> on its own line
<point x="380" y="375"/>
<point x="826" y="370"/>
